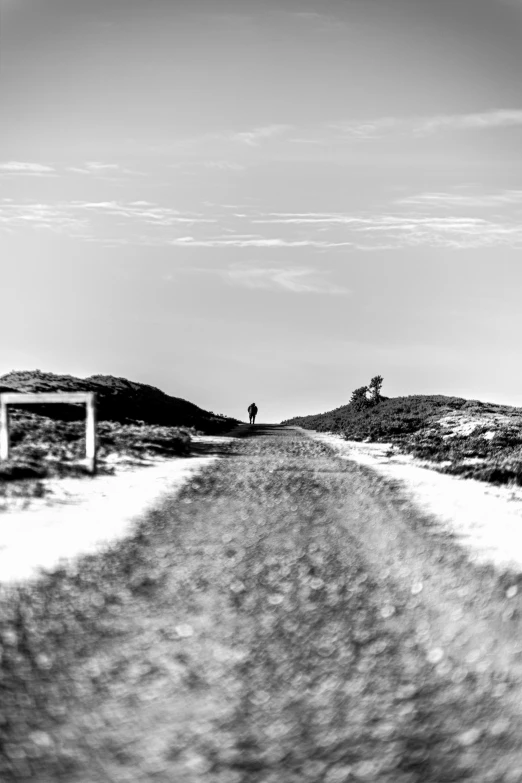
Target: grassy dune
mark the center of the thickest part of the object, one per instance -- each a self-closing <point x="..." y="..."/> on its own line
<point x="464" y="437"/>
<point x="118" y="399"/>
<point x="135" y="421"/>
<point x="43" y="447"/>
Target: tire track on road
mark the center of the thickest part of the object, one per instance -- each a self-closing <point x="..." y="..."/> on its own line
<point x="262" y="627"/>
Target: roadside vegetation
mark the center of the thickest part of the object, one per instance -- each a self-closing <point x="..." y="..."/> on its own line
<point x="41" y="447"/>
<point x="469" y="438"/>
<point x="118" y="399"/>
<point x="135" y="422"/>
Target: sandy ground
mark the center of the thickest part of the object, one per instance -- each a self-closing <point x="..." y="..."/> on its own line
<point x="285" y="618"/>
<point x="79" y="516"/>
<point x="484" y="518"/>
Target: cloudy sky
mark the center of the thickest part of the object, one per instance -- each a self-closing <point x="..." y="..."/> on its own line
<point x="267" y="200"/>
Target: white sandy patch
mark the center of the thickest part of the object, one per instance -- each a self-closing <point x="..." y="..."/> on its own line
<point x="487" y="520"/>
<point x="457" y="427"/>
<point x="210" y="438"/>
<point x="459" y="423"/>
<point x="83" y="515"/>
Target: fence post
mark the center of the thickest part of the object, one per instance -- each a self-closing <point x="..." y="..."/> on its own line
<point x="4" y="430"/>
<point x="90" y="433"/>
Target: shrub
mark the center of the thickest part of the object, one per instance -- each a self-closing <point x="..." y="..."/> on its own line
<point x="375" y="388"/>
<point x="359" y="400"/>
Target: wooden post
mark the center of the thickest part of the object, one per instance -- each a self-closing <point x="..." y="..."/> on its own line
<point x="4" y="430"/>
<point x="90" y="433"/>
<point x="44" y="398"/>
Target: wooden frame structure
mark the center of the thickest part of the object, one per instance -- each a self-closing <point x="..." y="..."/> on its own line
<point x="43" y="398"/>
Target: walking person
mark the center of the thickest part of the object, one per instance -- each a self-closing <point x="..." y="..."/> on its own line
<point x="252" y="413"/>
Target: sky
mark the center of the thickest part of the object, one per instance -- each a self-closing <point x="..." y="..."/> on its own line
<point x="269" y="201"/>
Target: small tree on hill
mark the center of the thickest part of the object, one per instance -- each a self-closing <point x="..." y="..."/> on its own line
<point x="375" y="388"/>
<point x="359" y="400"/>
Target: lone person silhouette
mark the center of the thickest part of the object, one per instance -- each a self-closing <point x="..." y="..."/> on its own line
<point x="252" y="413"/>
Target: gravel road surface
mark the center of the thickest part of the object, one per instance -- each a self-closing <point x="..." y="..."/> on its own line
<point x="286" y="618"/>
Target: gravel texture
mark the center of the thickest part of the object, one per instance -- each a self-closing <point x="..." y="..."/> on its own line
<point x="287" y="618"/>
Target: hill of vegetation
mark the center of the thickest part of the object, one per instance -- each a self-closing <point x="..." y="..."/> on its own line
<point x="391" y="418"/>
<point x="118" y="400"/>
<point x="135" y="421"/>
<point x="465" y="437"/>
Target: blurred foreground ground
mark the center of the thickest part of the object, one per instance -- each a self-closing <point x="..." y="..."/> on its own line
<point x="288" y="616"/>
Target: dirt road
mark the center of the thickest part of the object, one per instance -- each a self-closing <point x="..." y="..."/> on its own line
<point x="287" y="618"/>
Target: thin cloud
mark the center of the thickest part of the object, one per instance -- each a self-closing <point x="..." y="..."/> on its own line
<point x="223" y="165"/>
<point x="101" y="170"/>
<point x="450" y="200"/>
<point x="231" y="233"/>
<point x="218" y="165"/>
<point x="423" y="126"/>
<point x="38" y="216"/>
<point x="405" y="230"/>
<point x="142" y="211"/>
<point x="501" y="118"/>
<point x="97" y="166"/>
<point x="20" y="168"/>
<point x="189" y="241"/>
<point x="296" y="281"/>
<point x="97" y="217"/>
<point x="304" y="218"/>
<point x="369" y="129"/>
<point x="263" y="242"/>
<point x="426" y="219"/>
<point x="253" y="137"/>
<point x="453" y="232"/>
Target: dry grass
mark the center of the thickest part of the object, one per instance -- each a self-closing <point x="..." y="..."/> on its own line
<point x="43" y="447"/>
<point x="463" y="437"/>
